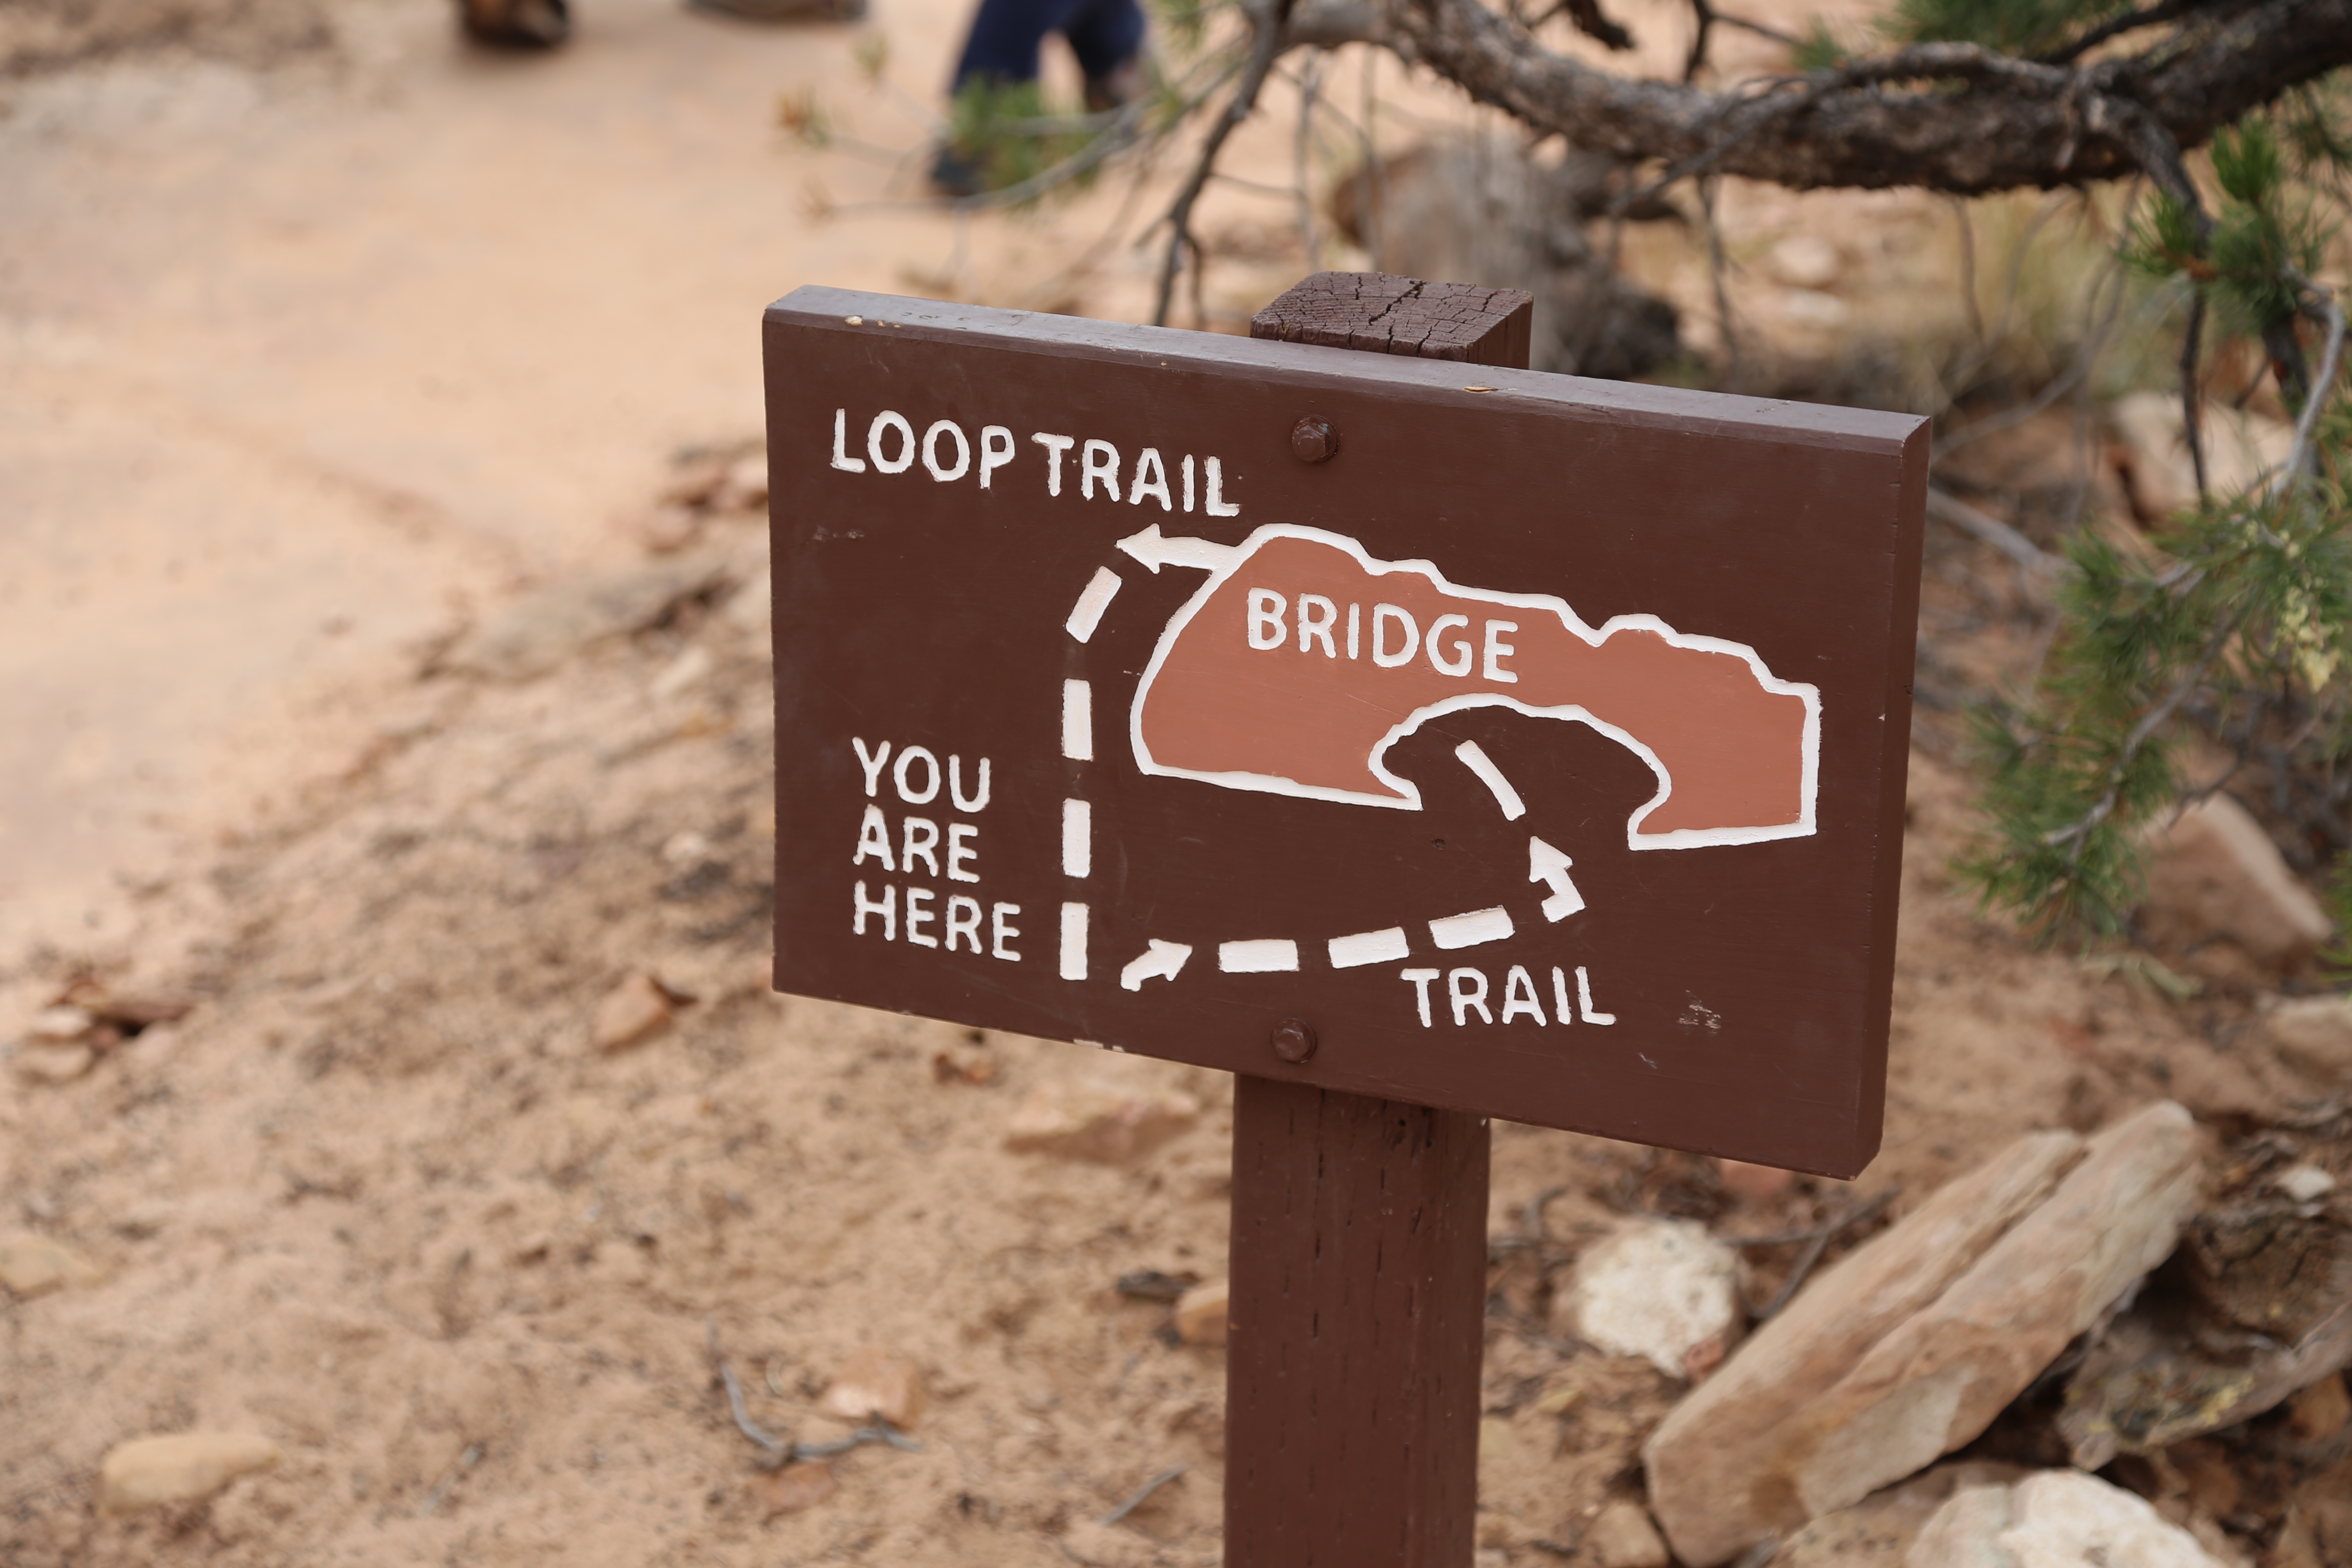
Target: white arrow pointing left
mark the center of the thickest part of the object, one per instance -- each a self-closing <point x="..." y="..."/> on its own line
<point x="1156" y="550"/>
<point x="1159" y="961"/>
<point x="1547" y="865"/>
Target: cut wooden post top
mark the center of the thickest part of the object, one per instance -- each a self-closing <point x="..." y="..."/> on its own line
<point x="1384" y="313"/>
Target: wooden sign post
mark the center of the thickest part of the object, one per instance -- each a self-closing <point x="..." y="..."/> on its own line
<point x="1420" y="737"/>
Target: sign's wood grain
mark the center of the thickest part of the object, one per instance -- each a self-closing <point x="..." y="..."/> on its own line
<point x="1539" y="743"/>
<point x="1384" y="313"/>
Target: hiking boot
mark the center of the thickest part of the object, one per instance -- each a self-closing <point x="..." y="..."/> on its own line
<point x="516" y="24"/>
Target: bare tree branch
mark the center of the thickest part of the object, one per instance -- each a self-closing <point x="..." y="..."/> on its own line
<point x="1949" y="117"/>
<point x="1270" y="20"/>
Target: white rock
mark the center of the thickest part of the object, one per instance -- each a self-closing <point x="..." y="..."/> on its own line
<point x="2304" y="1184"/>
<point x="1965" y="1533"/>
<point x="1661" y="1288"/>
<point x="57" y="1025"/>
<point x="1879" y="1530"/>
<point x="685" y="847"/>
<point x="2055" y="1519"/>
<point x="182" y="1467"/>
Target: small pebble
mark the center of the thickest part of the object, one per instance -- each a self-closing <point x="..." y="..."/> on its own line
<point x="33" y="1265"/>
<point x="874" y="1382"/>
<point x="59" y="1026"/>
<point x="1624" y="1537"/>
<point x="2304" y="1184"/>
<point x="632" y="1011"/>
<point x="1201" y="1312"/>
<point x="178" y="1467"/>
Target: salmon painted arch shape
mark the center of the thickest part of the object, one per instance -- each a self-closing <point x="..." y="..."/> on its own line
<point x="1302" y="659"/>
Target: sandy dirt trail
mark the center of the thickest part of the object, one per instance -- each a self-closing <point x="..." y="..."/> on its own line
<point x="303" y="365"/>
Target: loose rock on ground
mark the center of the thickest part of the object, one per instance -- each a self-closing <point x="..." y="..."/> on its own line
<point x="33" y="1265"/>
<point x="1201" y="1313"/>
<point x="1661" y="1288"/>
<point x="872" y="1383"/>
<point x="2217" y="874"/>
<point x="1622" y="1537"/>
<point x="2055" y="1519"/>
<point x="1910" y="1346"/>
<point x="178" y="1467"/>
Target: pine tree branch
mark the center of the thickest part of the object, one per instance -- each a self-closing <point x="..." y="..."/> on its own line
<point x="2299" y="456"/>
<point x="2078" y="833"/>
<point x="2012" y="122"/>
<point x="2191" y="426"/>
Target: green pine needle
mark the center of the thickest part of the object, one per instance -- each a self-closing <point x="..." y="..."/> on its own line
<point x="2011" y="26"/>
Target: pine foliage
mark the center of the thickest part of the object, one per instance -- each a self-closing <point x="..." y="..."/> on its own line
<point x="2011" y="26"/>
<point x="2235" y="625"/>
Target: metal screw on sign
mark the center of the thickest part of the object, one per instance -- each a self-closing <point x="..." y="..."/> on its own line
<point x="1294" y="1039"/>
<point x="1313" y="440"/>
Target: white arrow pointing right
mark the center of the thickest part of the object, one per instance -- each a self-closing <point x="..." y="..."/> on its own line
<point x="1159" y="961"/>
<point x="1547" y="865"/>
<point x="1155" y="552"/>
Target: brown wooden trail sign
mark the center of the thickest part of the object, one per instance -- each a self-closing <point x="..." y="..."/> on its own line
<point x="1421" y="738"/>
<point x="1542" y="749"/>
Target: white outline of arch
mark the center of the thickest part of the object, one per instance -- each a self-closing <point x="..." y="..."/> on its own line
<point x="1407" y="795"/>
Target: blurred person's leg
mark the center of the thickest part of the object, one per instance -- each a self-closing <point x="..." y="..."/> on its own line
<point x="1108" y="37"/>
<point x="1002" y="53"/>
<point x="1002" y="48"/>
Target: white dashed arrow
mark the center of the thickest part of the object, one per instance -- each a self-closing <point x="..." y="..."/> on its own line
<point x="1155" y="552"/>
<point x="1160" y="960"/>
<point x="1545" y="864"/>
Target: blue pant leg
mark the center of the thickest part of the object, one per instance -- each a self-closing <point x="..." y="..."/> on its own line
<point x="1104" y="34"/>
<point x="1006" y="36"/>
<point x="1006" y="33"/>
